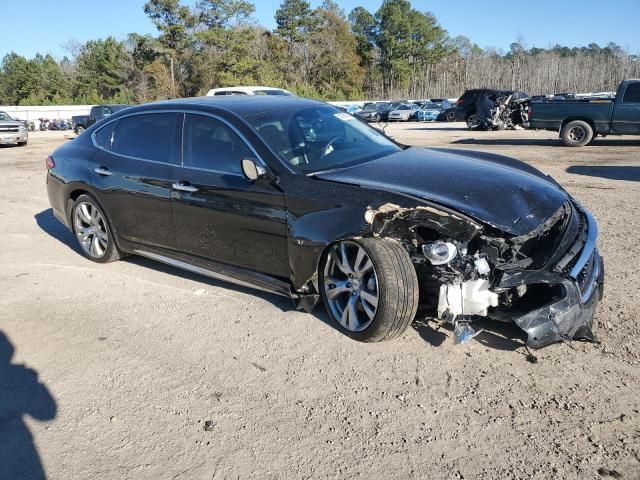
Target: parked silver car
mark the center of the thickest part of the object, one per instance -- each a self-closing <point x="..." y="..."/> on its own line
<point x="404" y="112"/>
<point x="12" y="131"/>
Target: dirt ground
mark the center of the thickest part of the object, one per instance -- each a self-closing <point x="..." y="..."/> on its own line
<point x="153" y="373"/>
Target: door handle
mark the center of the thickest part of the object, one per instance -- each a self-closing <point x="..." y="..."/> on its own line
<point x="103" y="171"/>
<point x="184" y="188"/>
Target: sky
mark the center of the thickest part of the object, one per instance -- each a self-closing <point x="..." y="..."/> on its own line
<point x="45" y="26"/>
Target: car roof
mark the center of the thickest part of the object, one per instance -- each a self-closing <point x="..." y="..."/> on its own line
<point x="237" y="104"/>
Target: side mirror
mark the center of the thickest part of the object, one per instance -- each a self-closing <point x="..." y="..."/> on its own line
<point x="252" y="170"/>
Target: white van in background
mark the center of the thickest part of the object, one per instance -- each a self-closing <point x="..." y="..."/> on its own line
<point x="248" y="91"/>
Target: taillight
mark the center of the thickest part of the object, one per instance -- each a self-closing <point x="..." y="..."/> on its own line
<point x="50" y="162"/>
<point x="459" y="102"/>
<point x="530" y="113"/>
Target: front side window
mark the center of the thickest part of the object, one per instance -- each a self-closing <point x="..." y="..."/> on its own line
<point x="149" y="136"/>
<point x="212" y="145"/>
<point x="319" y="138"/>
<point x="632" y="94"/>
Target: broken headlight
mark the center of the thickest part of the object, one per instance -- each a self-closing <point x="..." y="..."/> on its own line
<point x="439" y="253"/>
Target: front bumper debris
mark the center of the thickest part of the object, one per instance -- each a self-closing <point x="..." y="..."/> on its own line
<point x="571" y="315"/>
<point x="569" y="318"/>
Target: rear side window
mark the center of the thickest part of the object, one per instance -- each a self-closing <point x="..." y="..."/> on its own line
<point x="212" y="145"/>
<point x="632" y="95"/>
<point x="104" y="136"/>
<point x="149" y="136"/>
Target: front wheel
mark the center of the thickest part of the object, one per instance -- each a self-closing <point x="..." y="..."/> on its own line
<point x="451" y="116"/>
<point x="369" y="288"/>
<point x="92" y="230"/>
<point x="79" y="130"/>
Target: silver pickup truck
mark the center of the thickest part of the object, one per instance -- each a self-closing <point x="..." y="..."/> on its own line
<point x="580" y="121"/>
<point x="12" y="131"/>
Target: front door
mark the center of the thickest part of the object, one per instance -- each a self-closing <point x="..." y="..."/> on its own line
<point x="626" y="114"/>
<point x="218" y="214"/>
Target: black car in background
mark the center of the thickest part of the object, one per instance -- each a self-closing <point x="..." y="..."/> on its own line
<point x="375" y="112"/>
<point x="81" y="122"/>
<point x="301" y="199"/>
<point x="474" y="104"/>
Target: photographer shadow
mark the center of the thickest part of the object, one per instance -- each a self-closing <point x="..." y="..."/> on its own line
<point x="21" y="393"/>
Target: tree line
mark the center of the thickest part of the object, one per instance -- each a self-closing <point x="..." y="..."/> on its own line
<point x="394" y="53"/>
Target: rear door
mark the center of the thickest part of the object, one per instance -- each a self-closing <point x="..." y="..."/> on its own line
<point x="626" y="113"/>
<point x="132" y="170"/>
<point x="218" y="214"/>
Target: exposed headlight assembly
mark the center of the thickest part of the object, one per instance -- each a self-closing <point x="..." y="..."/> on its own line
<point x="439" y="253"/>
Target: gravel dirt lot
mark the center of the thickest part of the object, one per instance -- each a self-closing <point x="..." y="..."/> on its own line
<point x="156" y="373"/>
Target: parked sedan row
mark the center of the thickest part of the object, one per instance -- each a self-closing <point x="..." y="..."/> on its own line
<point x="436" y="109"/>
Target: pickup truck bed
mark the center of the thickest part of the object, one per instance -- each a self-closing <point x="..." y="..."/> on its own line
<point x="580" y="121"/>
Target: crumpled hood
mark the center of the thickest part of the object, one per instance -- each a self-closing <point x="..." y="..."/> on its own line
<point x="500" y="191"/>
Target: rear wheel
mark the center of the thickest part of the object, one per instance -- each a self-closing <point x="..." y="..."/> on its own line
<point x="576" y="133"/>
<point x="369" y="288"/>
<point x="92" y="230"/>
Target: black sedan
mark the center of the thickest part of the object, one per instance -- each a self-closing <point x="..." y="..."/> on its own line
<point x="298" y="198"/>
<point x="375" y="112"/>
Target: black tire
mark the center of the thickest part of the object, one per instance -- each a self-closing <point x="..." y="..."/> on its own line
<point x="111" y="252"/>
<point x="577" y="133"/>
<point x="397" y="287"/>
<point x="79" y="130"/>
<point x="473" y="123"/>
<point x="22" y="144"/>
<point x="451" y="117"/>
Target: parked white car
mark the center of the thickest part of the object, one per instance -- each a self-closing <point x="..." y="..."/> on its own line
<point x="248" y="91"/>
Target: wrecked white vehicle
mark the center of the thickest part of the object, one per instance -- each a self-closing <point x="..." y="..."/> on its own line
<point x="298" y="198"/>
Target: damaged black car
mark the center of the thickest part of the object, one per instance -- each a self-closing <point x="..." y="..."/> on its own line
<point x="298" y="198"/>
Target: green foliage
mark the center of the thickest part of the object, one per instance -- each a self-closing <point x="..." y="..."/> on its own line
<point x="295" y="20"/>
<point x="173" y="20"/>
<point x="100" y="75"/>
<point x="395" y="52"/>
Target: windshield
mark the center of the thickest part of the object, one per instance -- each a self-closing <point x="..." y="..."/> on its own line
<point x="5" y="117"/>
<point x="320" y="138"/>
<point x="404" y="107"/>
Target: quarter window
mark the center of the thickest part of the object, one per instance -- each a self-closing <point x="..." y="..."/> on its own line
<point x="149" y="136"/>
<point x="104" y="136"/>
<point x="632" y="95"/>
<point x="212" y="145"/>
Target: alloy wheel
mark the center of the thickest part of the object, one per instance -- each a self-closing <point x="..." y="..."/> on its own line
<point x="577" y="134"/>
<point x="90" y="229"/>
<point x="351" y="286"/>
<point x="473" y="121"/>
